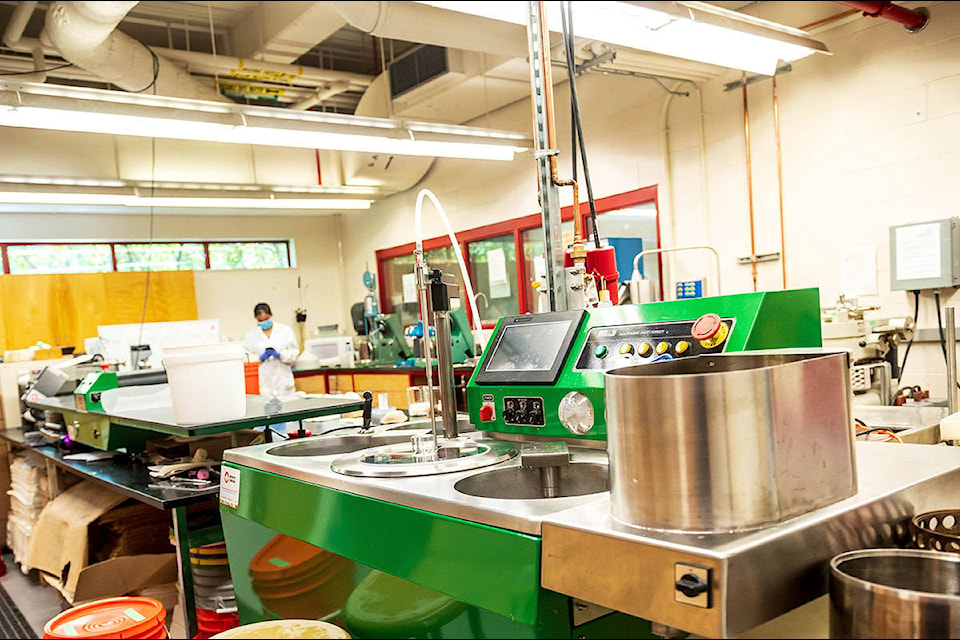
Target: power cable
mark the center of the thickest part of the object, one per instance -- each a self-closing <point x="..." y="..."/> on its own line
<point x="28" y="73"/>
<point x="916" y="312"/>
<point x="576" y="121"/>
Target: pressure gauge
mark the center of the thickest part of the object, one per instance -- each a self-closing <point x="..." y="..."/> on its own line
<point x="576" y="413"/>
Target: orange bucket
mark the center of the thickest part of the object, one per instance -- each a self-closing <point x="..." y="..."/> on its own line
<point x="126" y="617"/>
<point x="251" y="377"/>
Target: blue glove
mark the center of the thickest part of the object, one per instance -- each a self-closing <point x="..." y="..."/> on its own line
<point x="268" y="353"/>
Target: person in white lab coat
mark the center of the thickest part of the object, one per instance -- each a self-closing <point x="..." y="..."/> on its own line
<point x="276" y="347"/>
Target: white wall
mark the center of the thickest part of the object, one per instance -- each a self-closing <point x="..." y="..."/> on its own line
<point x="870" y="138"/>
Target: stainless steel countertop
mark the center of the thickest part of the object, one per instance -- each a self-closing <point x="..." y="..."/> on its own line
<point x="435" y="493"/>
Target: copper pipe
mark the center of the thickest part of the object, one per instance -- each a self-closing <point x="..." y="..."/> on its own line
<point x="579" y="253"/>
<point x="776" y="133"/>
<point x="746" y="136"/>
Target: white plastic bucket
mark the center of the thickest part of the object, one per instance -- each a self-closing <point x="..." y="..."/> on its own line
<point x="206" y="382"/>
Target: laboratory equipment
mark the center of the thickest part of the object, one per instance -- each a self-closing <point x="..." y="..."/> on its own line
<point x="331" y="351"/>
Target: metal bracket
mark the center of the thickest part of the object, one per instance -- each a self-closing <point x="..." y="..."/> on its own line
<point x="544" y="153"/>
<point x="607" y="56"/>
<point x="730" y="86"/>
<point x="762" y="257"/>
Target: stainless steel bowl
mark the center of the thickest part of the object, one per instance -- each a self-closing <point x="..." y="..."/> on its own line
<point x="729" y="442"/>
<point x="895" y="593"/>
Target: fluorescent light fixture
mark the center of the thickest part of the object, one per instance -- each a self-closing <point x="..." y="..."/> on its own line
<point x="689" y="30"/>
<point x="123" y="200"/>
<point x="63" y="108"/>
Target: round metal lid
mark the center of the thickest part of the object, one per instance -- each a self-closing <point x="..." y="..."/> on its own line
<point x="400" y="461"/>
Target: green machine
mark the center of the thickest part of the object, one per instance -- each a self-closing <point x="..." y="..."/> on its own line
<point x="390" y="346"/>
<point x="377" y="532"/>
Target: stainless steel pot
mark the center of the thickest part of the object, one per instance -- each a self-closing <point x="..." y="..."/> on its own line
<point x="895" y="593"/>
<point x="729" y="442"/>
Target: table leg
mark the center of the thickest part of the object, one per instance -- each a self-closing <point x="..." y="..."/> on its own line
<point x="184" y="572"/>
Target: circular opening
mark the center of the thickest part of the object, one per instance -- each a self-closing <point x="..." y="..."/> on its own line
<point x="524" y="483"/>
<point x="922" y="571"/>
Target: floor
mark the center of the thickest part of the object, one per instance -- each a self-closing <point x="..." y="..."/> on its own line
<point x="36" y="601"/>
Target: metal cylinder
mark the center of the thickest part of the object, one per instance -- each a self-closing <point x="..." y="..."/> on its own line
<point x="729" y="442"/>
<point x="448" y="398"/>
<point x="895" y="593"/>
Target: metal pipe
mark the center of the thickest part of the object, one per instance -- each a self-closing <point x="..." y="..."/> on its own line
<point x="448" y="398"/>
<point x="776" y="133"/>
<point x="421" y="271"/>
<point x="951" y="346"/>
<point x="13" y="38"/>
<point x="746" y="137"/>
<point x="912" y="20"/>
<point x="716" y="256"/>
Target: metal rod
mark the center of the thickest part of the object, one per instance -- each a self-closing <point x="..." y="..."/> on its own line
<point x="746" y="138"/>
<point x="716" y="256"/>
<point x="776" y="133"/>
<point x="951" y="339"/>
<point x="421" y="271"/>
<point x="448" y="398"/>
<point x="541" y="89"/>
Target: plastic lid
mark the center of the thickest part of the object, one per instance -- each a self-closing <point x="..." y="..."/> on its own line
<point x="286" y="629"/>
<point x="705" y="327"/>
<point x="223" y="352"/>
<point x="126" y="617"/>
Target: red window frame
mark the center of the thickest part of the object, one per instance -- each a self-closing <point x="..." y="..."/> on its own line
<point x="5" y="259"/>
<point x="516" y="227"/>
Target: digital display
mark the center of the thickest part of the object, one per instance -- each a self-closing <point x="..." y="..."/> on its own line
<point x="528" y="347"/>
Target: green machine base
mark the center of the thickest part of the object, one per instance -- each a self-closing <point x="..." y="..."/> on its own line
<point x="398" y="573"/>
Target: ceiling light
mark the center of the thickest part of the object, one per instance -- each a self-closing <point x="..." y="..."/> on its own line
<point x="689" y="30"/>
<point x="123" y="200"/>
<point x="63" y="108"/>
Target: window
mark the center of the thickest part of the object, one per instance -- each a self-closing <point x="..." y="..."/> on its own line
<point x="98" y="257"/>
<point x="503" y="283"/>
<point x="405" y="305"/>
<point x="249" y="255"/>
<point x="59" y="258"/>
<point x="161" y="256"/>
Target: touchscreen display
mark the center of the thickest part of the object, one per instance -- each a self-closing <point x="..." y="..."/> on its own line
<point x="528" y="347"/>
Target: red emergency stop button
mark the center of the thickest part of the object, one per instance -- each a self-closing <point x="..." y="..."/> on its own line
<point x="486" y="413"/>
<point x="706" y="326"/>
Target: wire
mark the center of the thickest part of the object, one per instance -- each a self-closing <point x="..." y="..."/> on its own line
<point x="156" y="73"/>
<point x="153" y="189"/>
<point x="567" y="26"/>
<point x="916" y="313"/>
<point x="882" y="431"/>
<point x="28" y="73"/>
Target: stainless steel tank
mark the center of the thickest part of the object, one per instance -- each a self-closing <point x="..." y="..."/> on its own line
<point x="729" y="442"/>
<point x="895" y="593"/>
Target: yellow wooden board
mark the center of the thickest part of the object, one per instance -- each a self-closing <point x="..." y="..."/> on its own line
<point x="63" y="309"/>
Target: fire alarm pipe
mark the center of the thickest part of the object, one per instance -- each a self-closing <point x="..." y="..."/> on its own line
<point x="913" y="20"/>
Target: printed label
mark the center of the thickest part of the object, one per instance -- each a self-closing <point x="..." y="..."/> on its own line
<point x="230" y="487"/>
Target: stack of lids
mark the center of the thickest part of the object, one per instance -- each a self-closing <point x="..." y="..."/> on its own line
<point x="213" y="589"/>
<point x="126" y="617"/>
<point x="295" y="579"/>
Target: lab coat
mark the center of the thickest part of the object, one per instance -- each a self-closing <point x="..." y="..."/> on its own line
<point x="276" y="376"/>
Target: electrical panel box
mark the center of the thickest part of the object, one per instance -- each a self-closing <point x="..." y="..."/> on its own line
<point x="925" y="255"/>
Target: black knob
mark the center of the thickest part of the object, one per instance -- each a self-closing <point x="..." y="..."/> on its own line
<point x="367" y="409"/>
<point x="691" y="585"/>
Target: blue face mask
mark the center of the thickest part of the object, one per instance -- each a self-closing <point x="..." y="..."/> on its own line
<point x="266" y="324"/>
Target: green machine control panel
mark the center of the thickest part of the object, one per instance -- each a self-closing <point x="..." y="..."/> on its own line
<point x="542" y="374"/>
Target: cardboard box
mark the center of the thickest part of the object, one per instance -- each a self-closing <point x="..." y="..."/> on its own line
<point x="61" y="544"/>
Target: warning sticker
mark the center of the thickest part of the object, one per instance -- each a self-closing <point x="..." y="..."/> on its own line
<point x="230" y="487"/>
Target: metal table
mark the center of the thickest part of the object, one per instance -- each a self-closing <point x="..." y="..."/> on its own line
<point x="132" y="479"/>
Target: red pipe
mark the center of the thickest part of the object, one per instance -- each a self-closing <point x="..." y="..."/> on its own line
<point x="912" y="20"/>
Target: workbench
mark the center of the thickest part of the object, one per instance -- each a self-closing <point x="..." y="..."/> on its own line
<point x="132" y="479"/>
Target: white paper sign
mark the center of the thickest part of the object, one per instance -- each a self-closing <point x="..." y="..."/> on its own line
<point x="409" y="288"/>
<point x="497" y="273"/>
<point x="858" y="271"/>
<point x="918" y="252"/>
<point x="230" y="486"/>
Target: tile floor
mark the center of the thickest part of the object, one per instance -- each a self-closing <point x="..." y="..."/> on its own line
<point x="37" y="601"/>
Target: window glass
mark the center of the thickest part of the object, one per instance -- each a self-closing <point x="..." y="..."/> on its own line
<point x="394" y="269"/>
<point x="493" y="269"/>
<point x="630" y="231"/>
<point x="249" y="255"/>
<point x="60" y="258"/>
<point x="161" y="256"/>
<point x="535" y="262"/>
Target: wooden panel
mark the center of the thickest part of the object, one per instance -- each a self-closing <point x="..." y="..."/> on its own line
<point x="393" y="384"/>
<point x="63" y="309"/>
<point x="311" y="384"/>
<point x="339" y="383"/>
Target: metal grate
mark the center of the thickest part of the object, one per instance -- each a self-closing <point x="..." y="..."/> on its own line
<point x="417" y="67"/>
<point x="12" y="622"/>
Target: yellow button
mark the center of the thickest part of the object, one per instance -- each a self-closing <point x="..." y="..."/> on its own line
<point x="626" y="349"/>
<point x="644" y="348"/>
<point x="663" y="347"/>
<point x="682" y="346"/>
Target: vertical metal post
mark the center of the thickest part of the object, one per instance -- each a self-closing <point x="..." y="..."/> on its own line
<point x="549" y="194"/>
<point x="185" y="571"/>
<point x="951" y="338"/>
<point x="448" y="398"/>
